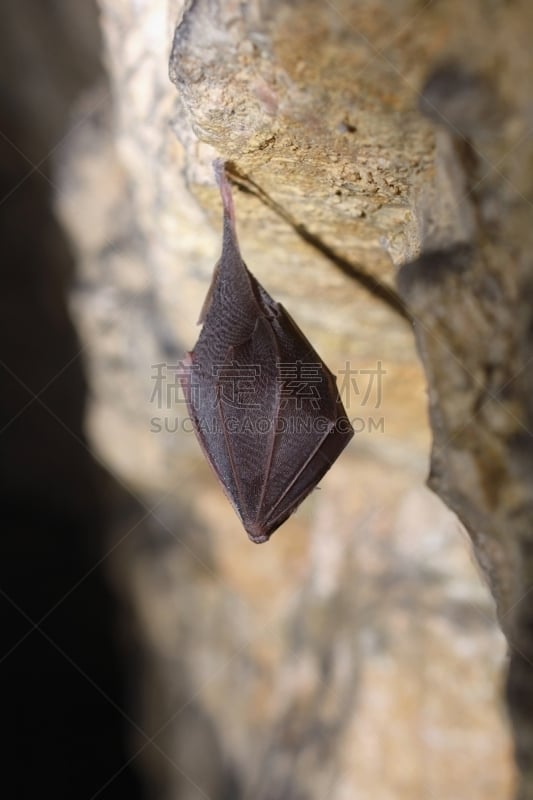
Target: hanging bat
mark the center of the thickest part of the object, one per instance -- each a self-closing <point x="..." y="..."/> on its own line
<point x="264" y="406"/>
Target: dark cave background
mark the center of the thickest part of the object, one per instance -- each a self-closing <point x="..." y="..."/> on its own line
<point x="66" y="725"/>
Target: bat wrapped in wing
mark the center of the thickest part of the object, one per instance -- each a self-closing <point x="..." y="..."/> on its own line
<point x="264" y="406"/>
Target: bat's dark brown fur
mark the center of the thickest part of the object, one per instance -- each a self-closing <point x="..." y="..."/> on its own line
<point x="265" y="407"/>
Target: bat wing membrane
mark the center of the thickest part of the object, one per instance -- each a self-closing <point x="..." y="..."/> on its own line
<point x="278" y="447"/>
<point x="249" y="423"/>
<point x="269" y="446"/>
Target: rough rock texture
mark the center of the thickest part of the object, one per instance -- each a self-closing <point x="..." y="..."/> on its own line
<point x="474" y="321"/>
<point x="356" y="655"/>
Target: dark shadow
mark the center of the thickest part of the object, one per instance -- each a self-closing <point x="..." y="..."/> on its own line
<point x="63" y="710"/>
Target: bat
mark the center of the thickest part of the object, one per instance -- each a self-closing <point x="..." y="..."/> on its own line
<point x="264" y="406"/>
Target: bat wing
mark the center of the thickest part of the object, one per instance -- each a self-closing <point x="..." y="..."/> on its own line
<point x="318" y="448"/>
<point x="315" y="430"/>
<point x="200" y="392"/>
<point x="278" y="446"/>
<point x="250" y="424"/>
